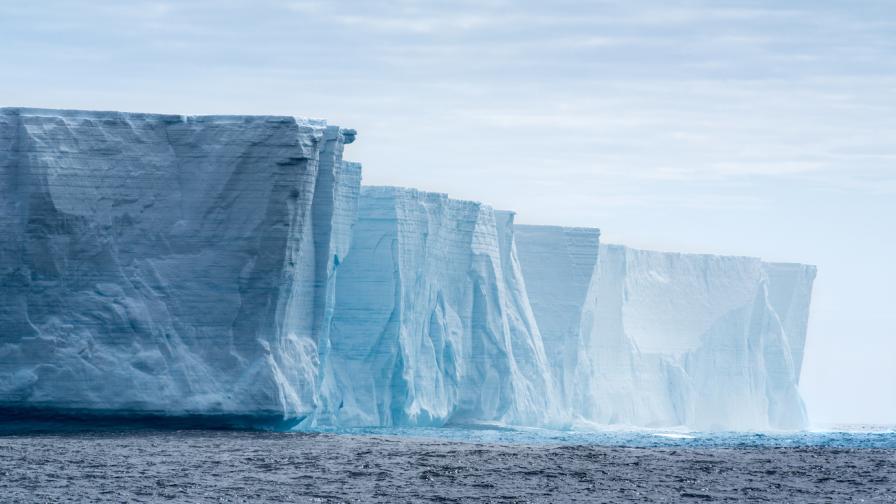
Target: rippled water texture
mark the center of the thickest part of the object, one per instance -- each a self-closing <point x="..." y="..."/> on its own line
<point x="444" y="466"/>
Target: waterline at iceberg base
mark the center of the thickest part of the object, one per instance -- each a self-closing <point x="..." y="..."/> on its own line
<point x="232" y="271"/>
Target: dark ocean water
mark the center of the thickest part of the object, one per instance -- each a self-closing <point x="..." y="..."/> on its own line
<point x="446" y="465"/>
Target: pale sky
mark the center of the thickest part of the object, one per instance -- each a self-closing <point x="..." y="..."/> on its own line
<point x="763" y="128"/>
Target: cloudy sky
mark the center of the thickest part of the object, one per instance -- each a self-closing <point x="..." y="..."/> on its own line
<point x="760" y="128"/>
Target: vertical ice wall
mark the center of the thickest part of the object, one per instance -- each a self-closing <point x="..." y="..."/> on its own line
<point x="664" y="339"/>
<point x="432" y="323"/>
<point x="170" y="264"/>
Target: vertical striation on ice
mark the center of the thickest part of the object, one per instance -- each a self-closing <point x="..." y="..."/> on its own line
<point x="432" y="323"/>
<point x="160" y="263"/>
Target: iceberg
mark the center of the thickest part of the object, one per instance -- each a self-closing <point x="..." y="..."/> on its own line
<point x="169" y="264"/>
<point x="232" y="270"/>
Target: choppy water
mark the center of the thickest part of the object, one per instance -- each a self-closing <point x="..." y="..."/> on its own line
<point x="448" y="465"/>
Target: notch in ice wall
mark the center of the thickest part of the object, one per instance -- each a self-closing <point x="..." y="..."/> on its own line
<point x="666" y="339"/>
<point x="168" y="264"/>
<point x="432" y="322"/>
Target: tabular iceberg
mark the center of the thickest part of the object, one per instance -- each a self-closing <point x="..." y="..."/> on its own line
<point x="664" y="339"/>
<point x="233" y="268"/>
<point x="171" y="264"/>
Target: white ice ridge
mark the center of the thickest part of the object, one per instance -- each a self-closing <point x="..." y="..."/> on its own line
<point x="173" y="264"/>
<point x="659" y="339"/>
<point x="432" y="322"/>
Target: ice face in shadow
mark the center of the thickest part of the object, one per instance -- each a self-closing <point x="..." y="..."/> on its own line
<point x="432" y="322"/>
<point x="171" y="264"/>
<point x="663" y="339"/>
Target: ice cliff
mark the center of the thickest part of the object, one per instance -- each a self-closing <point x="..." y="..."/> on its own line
<point x="432" y="322"/>
<point x="159" y="263"/>
<point x="233" y="268"/>
<point x="663" y="339"/>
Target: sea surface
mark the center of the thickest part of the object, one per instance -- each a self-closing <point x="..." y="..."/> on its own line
<point x="463" y="464"/>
